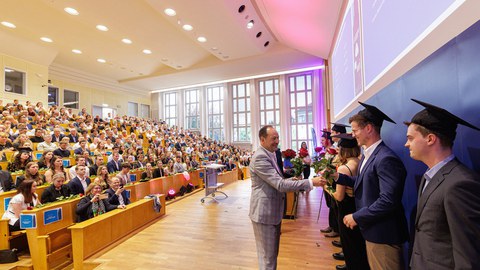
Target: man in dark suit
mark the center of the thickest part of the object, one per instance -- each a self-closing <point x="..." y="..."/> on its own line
<point x="57" y="135"/>
<point x="6" y="182"/>
<point x="73" y="136"/>
<point x="268" y="194"/>
<point x="447" y="225"/>
<point x="378" y="190"/>
<point x="115" y="164"/>
<point x="98" y="162"/>
<point x="80" y="183"/>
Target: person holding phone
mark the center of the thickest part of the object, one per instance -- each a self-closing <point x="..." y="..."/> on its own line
<point x="117" y="194"/>
<point x="94" y="203"/>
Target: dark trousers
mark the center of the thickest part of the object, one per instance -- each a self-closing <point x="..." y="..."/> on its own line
<point x="15" y="227"/>
<point x="306" y="171"/>
<point x="332" y="212"/>
<point x="353" y="244"/>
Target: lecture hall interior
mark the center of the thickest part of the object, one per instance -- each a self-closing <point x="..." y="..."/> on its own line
<point x="203" y="76"/>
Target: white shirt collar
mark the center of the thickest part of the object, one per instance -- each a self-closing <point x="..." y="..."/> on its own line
<point x="369" y="151"/>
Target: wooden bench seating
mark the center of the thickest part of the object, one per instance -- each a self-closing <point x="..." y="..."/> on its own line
<point x="95" y="234"/>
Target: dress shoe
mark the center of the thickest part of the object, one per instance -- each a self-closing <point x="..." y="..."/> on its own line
<point x="331" y="234"/>
<point x="337" y="243"/>
<point x="339" y="256"/>
<point x="326" y="230"/>
<point x="341" y="267"/>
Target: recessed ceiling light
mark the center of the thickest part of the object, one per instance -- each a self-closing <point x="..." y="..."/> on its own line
<point x="46" y="39"/>
<point x="250" y="24"/>
<point x="187" y="27"/>
<point x="259" y="34"/>
<point x="266" y="44"/>
<point x="100" y="60"/>
<point x="126" y="41"/>
<point x="202" y="39"/>
<point x="147" y="51"/>
<point x="77" y="51"/>
<point x="170" y="12"/>
<point x="241" y="9"/>
<point x="71" y="11"/>
<point x="9" y="24"/>
<point x="102" y="27"/>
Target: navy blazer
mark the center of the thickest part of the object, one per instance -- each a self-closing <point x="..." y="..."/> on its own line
<point x="76" y="186"/>
<point x="112" y="168"/>
<point x="113" y="199"/>
<point x="378" y="193"/>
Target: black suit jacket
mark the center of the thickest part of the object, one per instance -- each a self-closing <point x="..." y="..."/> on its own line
<point x="158" y="172"/>
<point x="84" y="208"/>
<point x="112" y="168"/>
<point x="113" y="199"/>
<point x="73" y="139"/>
<point x="6" y="181"/>
<point x="76" y="186"/>
<point x="54" y="139"/>
<point x="51" y="195"/>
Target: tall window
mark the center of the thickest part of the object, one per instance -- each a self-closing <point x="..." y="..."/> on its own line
<point x="144" y="110"/>
<point x="269" y="103"/>
<point x="192" y="109"/>
<point x="15" y="81"/>
<point x="70" y="99"/>
<point x="52" y="96"/>
<point x="301" y="109"/>
<point x="241" y="112"/>
<point x="170" y="108"/>
<point x="132" y="109"/>
<point x="215" y="113"/>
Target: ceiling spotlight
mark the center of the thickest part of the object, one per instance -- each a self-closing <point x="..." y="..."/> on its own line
<point x="46" y="39"/>
<point x="71" y="11"/>
<point x="147" y="51"/>
<point x="102" y="27"/>
<point x="77" y="51"/>
<point x="170" y="12"/>
<point x="126" y="41"/>
<point x="250" y="24"/>
<point x="187" y="27"/>
<point x="259" y="34"/>
<point x="100" y="60"/>
<point x="241" y="9"/>
<point x="202" y="39"/>
<point x="9" y="25"/>
<point x="266" y="44"/>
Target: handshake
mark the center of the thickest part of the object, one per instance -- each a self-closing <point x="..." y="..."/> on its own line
<point x="321" y="180"/>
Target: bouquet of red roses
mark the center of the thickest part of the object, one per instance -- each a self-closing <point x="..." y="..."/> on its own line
<point x="289" y="153"/>
<point x="324" y="162"/>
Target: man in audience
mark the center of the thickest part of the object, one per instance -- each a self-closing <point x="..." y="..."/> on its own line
<point x="378" y="190"/>
<point x="80" y="183"/>
<point x="447" y="225"/>
<point x="38" y="137"/>
<point x="98" y="162"/>
<point x="73" y="136"/>
<point x="57" y="135"/>
<point x="62" y="150"/>
<point x="178" y="166"/>
<point x="115" y="164"/>
<point x="82" y="147"/>
<point x="268" y="194"/>
<point x="124" y="174"/>
<point x="80" y="161"/>
<point x="47" y="144"/>
<point x="6" y="182"/>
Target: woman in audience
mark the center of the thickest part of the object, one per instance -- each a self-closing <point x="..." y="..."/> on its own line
<point x="56" y="167"/>
<point x="25" y="198"/>
<point x="149" y="172"/>
<point x="168" y="170"/>
<point x="20" y="161"/>
<point x="94" y="203"/>
<point x="158" y="172"/>
<point x="117" y="194"/>
<point x="31" y="173"/>
<point x="20" y="140"/>
<point x="100" y="150"/>
<point x="56" y="189"/>
<point x="102" y="177"/>
<point x="45" y="161"/>
<point x="353" y="244"/>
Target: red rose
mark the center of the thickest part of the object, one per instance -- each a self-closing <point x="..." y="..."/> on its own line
<point x="318" y="149"/>
<point x="81" y="194"/>
<point x="303" y="152"/>
<point x="331" y="151"/>
<point x="29" y="208"/>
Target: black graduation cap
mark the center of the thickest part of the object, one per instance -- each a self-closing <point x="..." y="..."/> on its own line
<point x="346" y="140"/>
<point x="326" y="134"/>
<point x="374" y="115"/>
<point x="341" y="128"/>
<point x="439" y="120"/>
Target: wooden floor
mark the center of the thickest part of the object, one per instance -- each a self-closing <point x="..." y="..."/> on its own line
<point x="219" y="236"/>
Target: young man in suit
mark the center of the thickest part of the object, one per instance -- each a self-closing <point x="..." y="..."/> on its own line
<point x="80" y="183"/>
<point x="447" y="225"/>
<point x="378" y="190"/>
<point x="268" y="194"/>
<point x="6" y="182"/>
